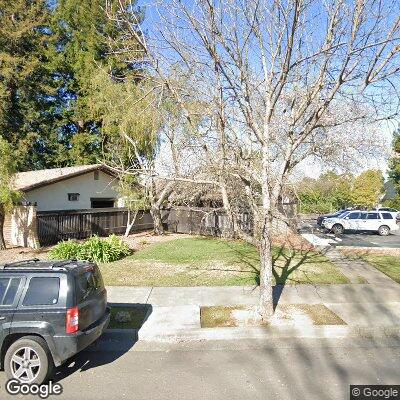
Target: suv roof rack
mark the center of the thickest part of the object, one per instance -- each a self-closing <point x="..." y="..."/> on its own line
<point x="58" y="265"/>
<point x="18" y="263"/>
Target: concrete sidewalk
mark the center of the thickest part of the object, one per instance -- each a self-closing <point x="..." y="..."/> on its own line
<point x="248" y="295"/>
<point x="175" y="311"/>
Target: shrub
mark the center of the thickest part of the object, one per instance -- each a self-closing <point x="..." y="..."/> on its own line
<point x="93" y="249"/>
<point x="66" y="250"/>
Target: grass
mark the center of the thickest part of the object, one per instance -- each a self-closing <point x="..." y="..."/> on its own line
<point x="388" y="264"/>
<point x="318" y="313"/>
<point x="218" y="316"/>
<point x="222" y="316"/>
<point x="200" y="261"/>
<point x="138" y="315"/>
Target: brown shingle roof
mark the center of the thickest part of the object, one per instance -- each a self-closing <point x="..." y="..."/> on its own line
<point x="26" y="181"/>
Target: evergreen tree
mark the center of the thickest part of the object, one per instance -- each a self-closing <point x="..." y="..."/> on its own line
<point x="88" y="43"/>
<point x="7" y="194"/>
<point x="29" y="96"/>
<point x="394" y="168"/>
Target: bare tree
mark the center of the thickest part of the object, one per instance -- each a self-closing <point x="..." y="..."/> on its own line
<point x="276" y="74"/>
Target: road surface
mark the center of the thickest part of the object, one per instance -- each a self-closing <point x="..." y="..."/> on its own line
<point x="233" y="370"/>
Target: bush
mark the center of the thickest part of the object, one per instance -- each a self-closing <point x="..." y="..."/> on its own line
<point x="93" y="249"/>
<point x="65" y="250"/>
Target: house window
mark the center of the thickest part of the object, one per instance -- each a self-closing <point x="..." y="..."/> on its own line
<point x="73" y="196"/>
<point x="96" y="175"/>
<point x="102" y="202"/>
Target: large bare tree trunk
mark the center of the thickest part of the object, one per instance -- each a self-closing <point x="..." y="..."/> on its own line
<point x="157" y="220"/>
<point x="156" y="204"/>
<point x="231" y="231"/>
<point x="2" y="241"/>
<point x="266" y="276"/>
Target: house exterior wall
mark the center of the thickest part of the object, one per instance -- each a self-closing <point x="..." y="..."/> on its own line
<point x="55" y="196"/>
<point x="7" y="229"/>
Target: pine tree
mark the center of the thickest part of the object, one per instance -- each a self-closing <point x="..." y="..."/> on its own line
<point x="29" y="97"/>
<point x="394" y="169"/>
<point x="7" y="194"/>
<point x="88" y="40"/>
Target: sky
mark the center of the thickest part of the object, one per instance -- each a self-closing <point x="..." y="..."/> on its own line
<point x="312" y="168"/>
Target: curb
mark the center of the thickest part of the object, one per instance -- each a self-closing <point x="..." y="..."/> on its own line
<point x="366" y="248"/>
<point x="124" y="339"/>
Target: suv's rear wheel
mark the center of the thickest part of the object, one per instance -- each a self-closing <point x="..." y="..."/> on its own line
<point x="384" y="230"/>
<point x="29" y="360"/>
<point x="337" y="229"/>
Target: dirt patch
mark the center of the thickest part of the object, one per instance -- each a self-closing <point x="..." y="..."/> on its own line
<point x="141" y="240"/>
<point x="292" y="241"/>
<point x="285" y="315"/>
<point x="305" y="314"/>
<point x="223" y="317"/>
<point x="21" y="254"/>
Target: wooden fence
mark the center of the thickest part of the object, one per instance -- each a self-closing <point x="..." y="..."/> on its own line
<point x="54" y="226"/>
<point x="202" y="221"/>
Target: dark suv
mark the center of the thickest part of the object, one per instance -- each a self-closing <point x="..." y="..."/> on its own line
<point x="49" y="311"/>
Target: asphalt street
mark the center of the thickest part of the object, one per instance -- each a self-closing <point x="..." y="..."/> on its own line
<point x="359" y="239"/>
<point x="251" y="370"/>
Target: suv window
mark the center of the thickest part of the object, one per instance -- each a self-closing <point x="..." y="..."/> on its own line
<point x="42" y="291"/>
<point x="372" y="216"/>
<point x="88" y="282"/>
<point x="354" y="215"/>
<point x="8" y="290"/>
<point x="387" y="216"/>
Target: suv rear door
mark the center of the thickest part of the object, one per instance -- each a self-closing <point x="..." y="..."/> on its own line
<point x="91" y="295"/>
<point x="43" y="300"/>
<point x="10" y="291"/>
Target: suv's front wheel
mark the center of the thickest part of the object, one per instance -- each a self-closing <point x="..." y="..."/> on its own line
<point x="337" y="229"/>
<point x="29" y="360"/>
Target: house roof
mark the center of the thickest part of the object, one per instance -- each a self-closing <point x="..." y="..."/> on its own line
<point x="26" y="181"/>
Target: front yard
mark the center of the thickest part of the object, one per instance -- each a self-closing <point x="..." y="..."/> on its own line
<point x="200" y="261"/>
<point x="389" y="264"/>
<point x="182" y="260"/>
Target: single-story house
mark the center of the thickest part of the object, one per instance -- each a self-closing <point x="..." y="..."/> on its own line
<point x="70" y="188"/>
<point x="62" y="189"/>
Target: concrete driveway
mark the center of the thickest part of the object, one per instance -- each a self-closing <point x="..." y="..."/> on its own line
<point x="354" y="239"/>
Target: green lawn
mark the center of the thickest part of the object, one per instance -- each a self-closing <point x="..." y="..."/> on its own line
<point x="200" y="261"/>
<point x="389" y="265"/>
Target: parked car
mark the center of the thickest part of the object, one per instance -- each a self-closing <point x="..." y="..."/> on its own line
<point x="50" y="311"/>
<point x="381" y="222"/>
<point x="337" y="214"/>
